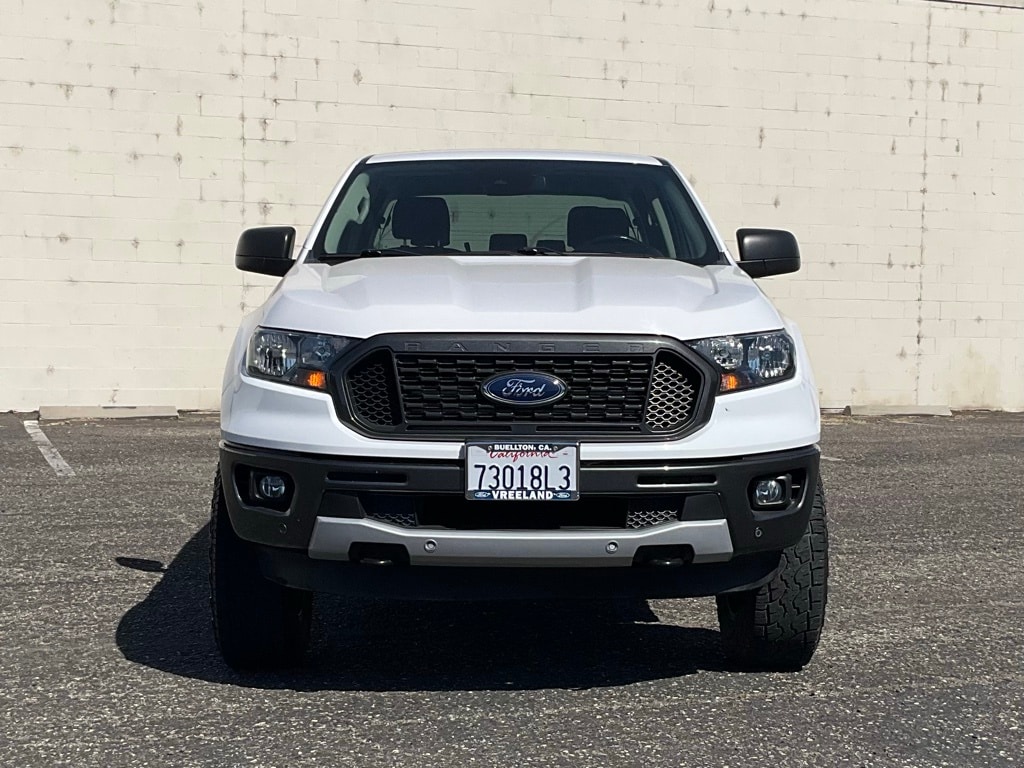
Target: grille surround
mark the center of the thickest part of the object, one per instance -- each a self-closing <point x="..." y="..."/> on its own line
<point x="619" y="387"/>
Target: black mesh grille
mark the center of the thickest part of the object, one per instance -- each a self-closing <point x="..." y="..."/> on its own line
<point x="456" y="512"/>
<point x="609" y="391"/>
<point x="394" y="510"/>
<point x="372" y="392"/>
<point x="461" y="514"/>
<point x="647" y="518"/>
<point x="400" y="518"/>
<point x="417" y="393"/>
<point x="674" y="387"/>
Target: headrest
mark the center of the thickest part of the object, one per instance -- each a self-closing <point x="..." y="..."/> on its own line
<point x="552" y="245"/>
<point x="421" y="220"/>
<point x="589" y="222"/>
<point x="507" y="242"/>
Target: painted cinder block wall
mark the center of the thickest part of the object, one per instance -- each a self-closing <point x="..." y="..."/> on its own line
<point x="138" y="138"/>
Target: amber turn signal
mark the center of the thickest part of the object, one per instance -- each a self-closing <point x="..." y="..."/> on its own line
<point x="730" y="381"/>
<point x="313" y="379"/>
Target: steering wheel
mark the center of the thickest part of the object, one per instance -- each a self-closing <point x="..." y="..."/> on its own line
<point x="617" y="244"/>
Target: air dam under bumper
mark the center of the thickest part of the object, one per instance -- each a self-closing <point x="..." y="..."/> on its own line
<point x="331" y="536"/>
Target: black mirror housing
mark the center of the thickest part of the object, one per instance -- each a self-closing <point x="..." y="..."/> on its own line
<point x="767" y="252"/>
<point x="265" y="250"/>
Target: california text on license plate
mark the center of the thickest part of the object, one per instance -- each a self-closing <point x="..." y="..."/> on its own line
<point x="546" y="471"/>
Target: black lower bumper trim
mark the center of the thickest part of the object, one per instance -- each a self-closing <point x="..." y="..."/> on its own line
<point x="361" y="487"/>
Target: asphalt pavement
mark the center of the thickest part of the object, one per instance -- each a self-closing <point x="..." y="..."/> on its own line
<point x="107" y="655"/>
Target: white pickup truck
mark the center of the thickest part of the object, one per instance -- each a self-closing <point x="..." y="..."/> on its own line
<point x="519" y="374"/>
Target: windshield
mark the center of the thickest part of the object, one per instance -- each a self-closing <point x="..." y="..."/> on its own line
<point x="488" y="207"/>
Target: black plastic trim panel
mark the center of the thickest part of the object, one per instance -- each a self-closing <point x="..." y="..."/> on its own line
<point x="334" y="487"/>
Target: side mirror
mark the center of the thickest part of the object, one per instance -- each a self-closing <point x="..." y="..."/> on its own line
<point x="265" y="250"/>
<point x="767" y="252"/>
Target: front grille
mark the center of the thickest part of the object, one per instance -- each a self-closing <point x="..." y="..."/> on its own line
<point x="438" y="390"/>
<point x="648" y="389"/>
<point x="372" y="390"/>
<point x="673" y="395"/>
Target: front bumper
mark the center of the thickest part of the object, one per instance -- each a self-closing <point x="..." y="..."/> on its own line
<point x="327" y="528"/>
<point x="334" y="539"/>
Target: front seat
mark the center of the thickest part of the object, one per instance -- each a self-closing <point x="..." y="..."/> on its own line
<point x="506" y="242"/>
<point x="590" y="222"/>
<point x="422" y="221"/>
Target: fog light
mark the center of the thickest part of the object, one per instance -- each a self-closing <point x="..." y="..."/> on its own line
<point x="771" y="491"/>
<point x="765" y="492"/>
<point x="271" y="487"/>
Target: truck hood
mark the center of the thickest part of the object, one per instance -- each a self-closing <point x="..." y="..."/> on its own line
<point x="519" y="294"/>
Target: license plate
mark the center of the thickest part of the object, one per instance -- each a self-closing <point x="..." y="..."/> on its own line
<point x="522" y="471"/>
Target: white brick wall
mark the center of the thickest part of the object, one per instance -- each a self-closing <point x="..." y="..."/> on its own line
<point x="138" y="138"/>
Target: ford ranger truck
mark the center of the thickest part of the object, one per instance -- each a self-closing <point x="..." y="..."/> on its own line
<point x="530" y="374"/>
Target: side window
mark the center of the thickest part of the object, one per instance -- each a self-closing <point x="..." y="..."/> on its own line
<point x="350" y="214"/>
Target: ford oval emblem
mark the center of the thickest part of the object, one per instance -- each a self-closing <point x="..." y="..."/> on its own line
<point x="524" y="388"/>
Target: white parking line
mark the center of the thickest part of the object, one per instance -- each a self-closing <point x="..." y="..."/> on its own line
<point x="51" y="454"/>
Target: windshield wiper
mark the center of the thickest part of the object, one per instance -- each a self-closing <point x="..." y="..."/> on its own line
<point x="624" y="254"/>
<point x="390" y="252"/>
<point x="337" y="258"/>
<point x="542" y="251"/>
<point x="539" y="250"/>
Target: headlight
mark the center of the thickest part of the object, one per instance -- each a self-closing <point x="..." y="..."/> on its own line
<point x="748" y="361"/>
<point x="293" y="358"/>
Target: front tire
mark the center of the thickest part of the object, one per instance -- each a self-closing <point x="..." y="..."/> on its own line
<point x="257" y="624"/>
<point x="778" y="626"/>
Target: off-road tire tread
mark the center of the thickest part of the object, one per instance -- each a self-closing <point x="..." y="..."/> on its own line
<point x="257" y="624"/>
<point x="778" y="626"/>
